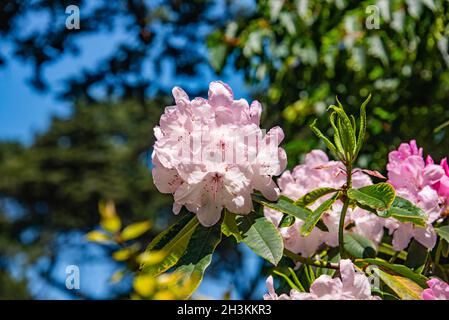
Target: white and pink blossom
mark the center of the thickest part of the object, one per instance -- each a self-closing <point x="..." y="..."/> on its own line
<point x="424" y="184"/>
<point x="438" y="290"/>
<point x="352" y="285"/>
<point x="317" y="172"/>
<point x="212" y="154"/>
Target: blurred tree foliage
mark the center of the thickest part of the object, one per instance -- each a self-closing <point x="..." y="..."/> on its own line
<point x="303" y="53"/>
<point x="298" y="54"/>
<point x="54" y="186"/>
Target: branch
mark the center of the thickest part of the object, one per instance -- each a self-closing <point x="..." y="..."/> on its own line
<point x="316" y="263"/>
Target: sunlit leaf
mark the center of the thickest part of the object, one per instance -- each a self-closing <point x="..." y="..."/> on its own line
<point x="378" y="196"/>
<point x="405" y="211"/>
<point x="362" y="127"/>
<point x="313" y="218"/>
<point x="287" y="206"/>
<point x="109" y="220"/>
<point x="229" y="226"/>
<point x="173" y="249"/>
<point x="262" y="237"/>
<point x="405" y="288"/>
<point x="198" y="256"/>
<point x="135" y="230"/>
<point x="399" y="269"/>
<point x="98" y="236"/>
<point x="144" y="285"/>
<point x="310" y="197"/>
<point x="320" y="135"/>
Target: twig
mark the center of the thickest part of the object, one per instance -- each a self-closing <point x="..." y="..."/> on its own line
<point x="316" y="263"/>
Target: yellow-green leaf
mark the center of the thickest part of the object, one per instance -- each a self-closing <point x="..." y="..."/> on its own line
<point x="229" y="226"/>
<point x="109" y="220"/>
<point x="135" y="230"/>
<point x="378" y="196"/>
<point x="313" y="219"/>
<point x="173" y="250"/>
<point x="405" y="288"/>
<point x="98" y="236"/>
<point x="144" y="285"/>
<point x="312" y="196"/>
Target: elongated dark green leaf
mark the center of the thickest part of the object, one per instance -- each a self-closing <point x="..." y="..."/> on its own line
<point x="286" y="205"/>
<point x="312" y="196"/>
<point x="400" y="269"/>
<point x="286" y="221"/>
<point x="326" y="141"/>
<point x="417" y="256"/>
<point x="445" y="248"/>
<point x="443" y="232"/>
<point x="405" y="288"/>
<point x="313" y="219"/>
<point x="346" y="131"/>
<point x="262" y="237"/>
<point x="337" y="138"/>
<point x="173" y="250"/>
<point x="229" y="226"/>
<point x="405" y="211"/>
<point x="358" y="246"/>
<point x="198" y="255"/>
<point x="383" y="295"/>
<point x="362" y="129"/>
<point x="168" y="234"/>
<point x="378" y="196"/>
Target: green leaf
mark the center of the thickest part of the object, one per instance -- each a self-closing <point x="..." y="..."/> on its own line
<point x="417" y="256"/>
<point x="217" y="56"/>
<point x="405" y="288"/>
<point x="405" y="211"/>
<point x="312" y="196"/>
<point x="198" y="255"/>
<point x="320" y="135"/>
<point x="229" y="226"/>
<point x="358" y="246"/>
<point x="388" y="249"/>
<point x="135" y="230"/>
<point x="262" y="237"/>
<point x="445" y="248"/>
<point x="345" y="130"/>
<point x="337" y="138"/>
<point x="313" y="219"/>
<point x="173" y="250"/>
<point x="286" y="221"/>
<point x="443" y="232"/>
<point x="168" y="234"/>
<point x="378" y="196"/>
<point x="399" y="269"/>
<point x="362" y="129"/>
<point x="383" y="295"/>
<point x="287" y="206"/>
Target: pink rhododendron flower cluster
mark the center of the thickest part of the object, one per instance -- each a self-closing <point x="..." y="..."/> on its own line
<point x="425" y="184"/>
<point x="317" y="172"/>
<point x="212" y="154"/>
<point x="438" y="290"/>
<point x="351" y="285"/>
